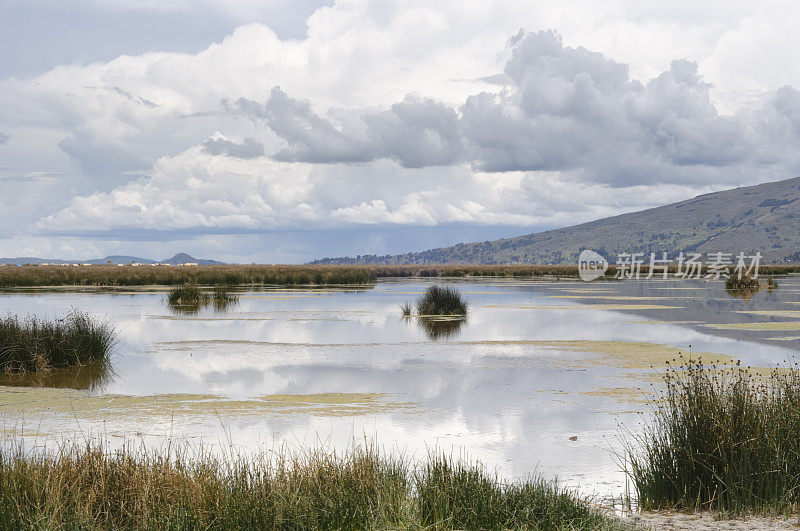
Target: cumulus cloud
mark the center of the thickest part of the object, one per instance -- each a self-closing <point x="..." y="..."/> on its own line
<point x="561" y="109"/>
<point x="198" y="191"/>
<point x="405" y="114"/>
<point x="415" y="132"/>
<point x="567" y="137"/>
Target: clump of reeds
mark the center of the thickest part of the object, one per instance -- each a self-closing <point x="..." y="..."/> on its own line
<point x="406" y="309"/>
<point x="223" y="298"/>
<point x="32" y="344"/>
<point x="722" y="438"/>
<point x="188" y="295"/>
<point x="743" y="287"/>
<point x="438" y="300"/>
<point x="87" y="487"/>
<point x="189" y="298"/>
<point x="771" y="284"/>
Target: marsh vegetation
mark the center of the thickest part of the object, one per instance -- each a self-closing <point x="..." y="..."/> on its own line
<point x="280" y="275"/>
<point x="721" y="438"/>
<point x="441" y="312"/>
<point x="88" y="487"/>
<point x="32" y="344"/>
<point x="189" y="298"/>
<point x="438" y="300"/>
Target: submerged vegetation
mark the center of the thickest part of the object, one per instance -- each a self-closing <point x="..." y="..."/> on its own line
<point x="722" y="438"/>
<point x="191" y="299"/>
<point x="35" y="345"/>
<point x="87" y="487"/>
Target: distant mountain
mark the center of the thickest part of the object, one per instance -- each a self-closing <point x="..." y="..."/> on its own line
<point x="178" y="259"/>
<point x="119" y="259"/>
<point x="183" y="258"/>
<point x="764" y="218"/>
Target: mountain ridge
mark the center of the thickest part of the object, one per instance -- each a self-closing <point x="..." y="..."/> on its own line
<point x="178" y="259"/>
<point x="761" y="218"/>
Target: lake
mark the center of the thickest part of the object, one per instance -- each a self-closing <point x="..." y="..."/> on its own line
<point x="543" y="377"/>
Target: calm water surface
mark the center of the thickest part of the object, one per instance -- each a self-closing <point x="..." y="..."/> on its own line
<point x="535" y="364"/>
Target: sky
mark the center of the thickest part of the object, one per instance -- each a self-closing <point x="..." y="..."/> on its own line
<point x="281" y="131"/>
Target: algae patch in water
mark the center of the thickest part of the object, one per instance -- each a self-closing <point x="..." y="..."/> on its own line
<point x="789" y="314"/>
<point x="589" y="307"/>
<point x="631" y="354"/>
<point x="618" y="297"/>
<point x="665" y="322"/>
<point x="757" y="327"/>
<point x="81" y="404"/>
<point x="622" y="354"/>
<point x="628" y="395"/>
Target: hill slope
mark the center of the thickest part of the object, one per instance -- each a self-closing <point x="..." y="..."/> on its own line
<point x="763" y="218"/>
<point x="178" y="259"/>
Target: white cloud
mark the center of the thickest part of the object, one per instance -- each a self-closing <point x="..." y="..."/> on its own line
<point x="414" y="113"/>
<point x="199" y="191"/>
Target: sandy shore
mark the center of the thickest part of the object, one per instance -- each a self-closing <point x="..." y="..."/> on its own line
<point x="670" y="520"/>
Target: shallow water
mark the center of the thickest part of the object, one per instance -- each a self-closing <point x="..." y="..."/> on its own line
<point x="536" y="363"/>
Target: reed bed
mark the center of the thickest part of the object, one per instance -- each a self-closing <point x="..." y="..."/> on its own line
<point x="32" y="276"/>
<point x="280" y="275"/>
<point x="721" y="438"/>
<point x="87" y="487"/>
<point x="32" y="344"/>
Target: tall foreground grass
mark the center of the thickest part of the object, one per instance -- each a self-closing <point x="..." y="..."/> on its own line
<point x="722" y="438"/>
<point x="86" y="487"/>
<point x="32" y="344"/>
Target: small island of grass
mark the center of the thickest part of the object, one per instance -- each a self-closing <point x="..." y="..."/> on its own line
<point x="438" y="301"/>
<point x="33" y="344"/>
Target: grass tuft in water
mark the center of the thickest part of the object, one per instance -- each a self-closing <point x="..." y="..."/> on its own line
<point x="34" y="345"/>
<point x="439" y="300"/>
<point x="743" y="288"/>
<point x="88" y="487"/>
<point x="189" y="298"/>
<point x="722" y="438"/>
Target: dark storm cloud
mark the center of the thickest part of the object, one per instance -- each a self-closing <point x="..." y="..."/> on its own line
<point x="561" y="109"/>
<point x="415" y="132"/>
<point x="250" y="148"/>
